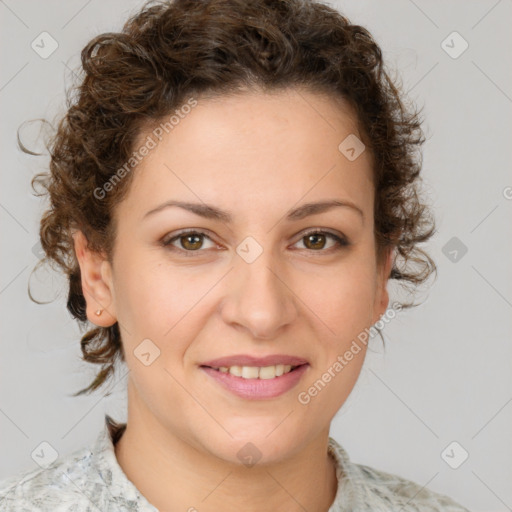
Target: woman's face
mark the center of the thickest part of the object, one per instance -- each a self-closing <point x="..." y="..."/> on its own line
<point x="254" y="284"/>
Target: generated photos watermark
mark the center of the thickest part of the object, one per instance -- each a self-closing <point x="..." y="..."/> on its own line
<point x="305" y="397"/>
<point x="150" y="143"/>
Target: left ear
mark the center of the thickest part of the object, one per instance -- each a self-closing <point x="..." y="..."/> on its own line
<point x="381" y="294"/>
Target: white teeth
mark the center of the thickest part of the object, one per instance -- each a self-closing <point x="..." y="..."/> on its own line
<point x="236" y="371"/>
<point x="268" y="372"/>
<point x="250" y="372"/>
<point x="255" y="372"/>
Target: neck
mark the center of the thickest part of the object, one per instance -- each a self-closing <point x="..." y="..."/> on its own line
<point x="174" y="475"/>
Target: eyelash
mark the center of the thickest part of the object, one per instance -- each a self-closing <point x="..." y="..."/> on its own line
<point x="341" y="242"/>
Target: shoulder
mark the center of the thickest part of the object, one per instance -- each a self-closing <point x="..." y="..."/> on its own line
<point x="65" y="485"/>
<point x="87" y="480"/>
<point x="396" y="490"/>
<point x="367" y="488"/>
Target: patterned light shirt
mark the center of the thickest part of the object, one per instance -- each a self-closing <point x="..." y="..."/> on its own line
<point x="91" y="480"/>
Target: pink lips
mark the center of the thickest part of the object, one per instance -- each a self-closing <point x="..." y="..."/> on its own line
<point x="256" y="388"/>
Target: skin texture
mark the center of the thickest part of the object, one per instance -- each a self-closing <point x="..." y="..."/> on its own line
<point x="257" y="155"/>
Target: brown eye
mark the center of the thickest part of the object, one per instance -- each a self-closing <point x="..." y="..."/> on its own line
<point x="191" y="242"/>
<point x="315" y="241"/>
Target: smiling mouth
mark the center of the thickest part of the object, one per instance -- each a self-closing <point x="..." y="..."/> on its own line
<point x="257" y="372"/>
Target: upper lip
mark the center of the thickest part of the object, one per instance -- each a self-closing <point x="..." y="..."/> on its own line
<point x="247" y="360"/>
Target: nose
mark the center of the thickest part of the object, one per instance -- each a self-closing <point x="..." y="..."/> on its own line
<point x="260" y="297"/>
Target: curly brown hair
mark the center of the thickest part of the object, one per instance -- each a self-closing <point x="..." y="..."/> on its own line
<point x="171" y="50"/>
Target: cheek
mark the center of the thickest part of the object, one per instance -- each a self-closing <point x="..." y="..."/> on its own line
<point x="342" y="298"/>
<point x="345" y="308"/>
<point x="138" y="298"/>
<point x="161" y="303"/>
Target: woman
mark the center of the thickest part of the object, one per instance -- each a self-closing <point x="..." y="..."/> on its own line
<point x="231" y="190"/>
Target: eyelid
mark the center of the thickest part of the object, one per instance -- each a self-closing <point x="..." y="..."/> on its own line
<point x="324" y="231"/>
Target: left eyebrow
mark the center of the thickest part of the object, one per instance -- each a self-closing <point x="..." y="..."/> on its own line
<point x="212" y="212"/>
<point x="314" y="208"/>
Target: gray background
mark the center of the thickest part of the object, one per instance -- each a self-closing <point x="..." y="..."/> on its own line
<point x="445" y="375"/>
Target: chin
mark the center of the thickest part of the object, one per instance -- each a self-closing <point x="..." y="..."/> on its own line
<point x="256" y="445"/>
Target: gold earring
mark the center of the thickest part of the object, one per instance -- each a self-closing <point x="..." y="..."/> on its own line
<point x="98" y="313"/>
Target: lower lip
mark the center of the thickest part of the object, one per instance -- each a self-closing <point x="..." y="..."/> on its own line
<point x="257" y="388"/>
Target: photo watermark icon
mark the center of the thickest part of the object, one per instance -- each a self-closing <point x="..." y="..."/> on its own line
<point x="304" y="397"/>
<point x="150" y="143"/>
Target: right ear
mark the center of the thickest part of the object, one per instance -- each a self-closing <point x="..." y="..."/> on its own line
<point x="97" y="287"/>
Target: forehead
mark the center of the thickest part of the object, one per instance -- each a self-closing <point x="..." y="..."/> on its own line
<point x="272" y="148"/>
